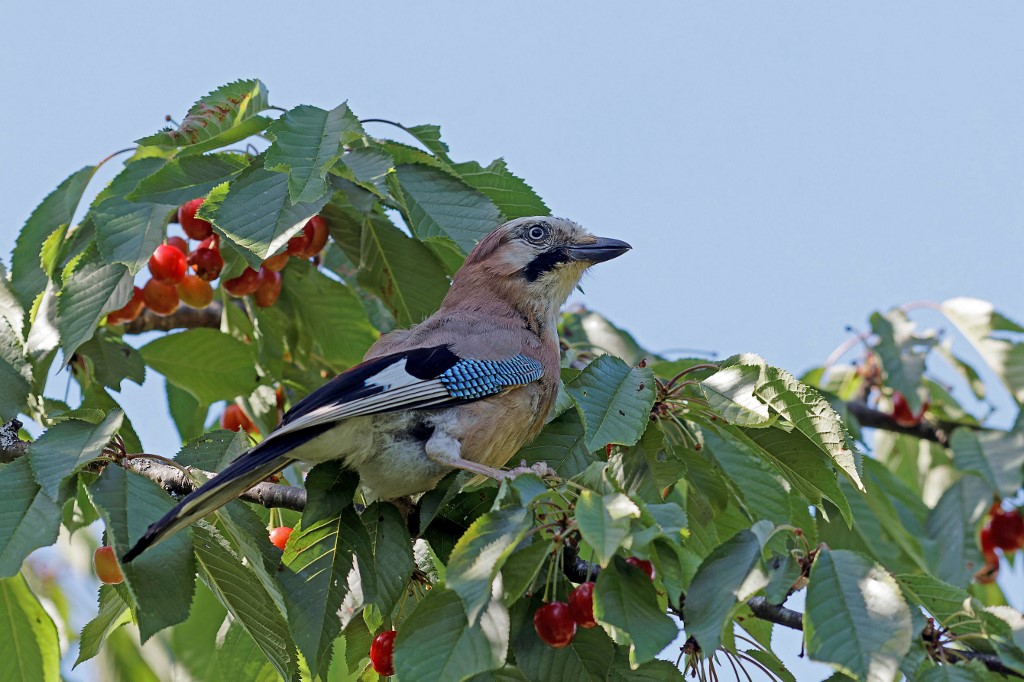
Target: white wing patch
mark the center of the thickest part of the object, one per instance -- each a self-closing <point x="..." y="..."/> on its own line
<point x="400" y="388"/>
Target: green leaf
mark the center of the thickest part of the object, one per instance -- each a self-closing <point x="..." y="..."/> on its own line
<point x="226" y="115"/>
<point x="238" y="589"/>
<point x="329" y="312"/>
<point x="29" y="519"/>
<point x="57" y="209"/>
<point x="207" y="363"/>
<point x="856" y="618"/>
<point x="195" y="641"/>
<point x="369" y="167"/>
<point x="92" y="288"/>
<point x="307" y="141"/>
<point x="997" y="456"/>
<point x="257" y="215"/>
<point x="67" y="447"/>
<point x="813" y="416"/>
<point x="615" y="400"/>
<point x="799" y="460"/>
<point x="128" y="232"/>
<point x="604" y="522"/>
<point x="162" y="579"/>
<point x="112" y="360"/>
<point x="513" y="197"/>
<point x="764" y="491"/>
<point x="964" y="369"/>
<point x="436" y="641"/>
<point x="29" y="649"/>
<point x="939" y="598"/>
<point x="238" y="657"/>
<point x="113" y="614"/>
<point x="11" y="311"/>
<point x="583" y="326"/>
<point x="625" y="597"/>
<point x="316" y="563"/>
<point x="522" y="568"/>
<point x="730" y="393"/>
<point x="440" y="205"/>
<point x="994" y="336"/>
<point x="15" y="374"/>
<point x="187" y="178"/>
<point x="430" y="137"/>
<point x="481" y="552"/>
<point x="951" y="525"/>
<point x="732" y="573"/>
<point x="188" y="414"/>
<point x="402" y="271"/>
<point x="902" y="354"/>
<point x="391" y="564"/>
<point x="562" y="444"/>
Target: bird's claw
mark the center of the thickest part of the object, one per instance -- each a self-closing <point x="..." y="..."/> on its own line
<point x="541" y="469"/>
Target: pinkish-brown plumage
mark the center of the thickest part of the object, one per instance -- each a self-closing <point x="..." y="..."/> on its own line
<point x="401" y="419"/>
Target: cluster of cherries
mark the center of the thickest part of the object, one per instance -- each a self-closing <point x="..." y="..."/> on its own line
<point x="556" y="621"/>
<point x="1002" y="530"/>
<point x="180" y="276"/>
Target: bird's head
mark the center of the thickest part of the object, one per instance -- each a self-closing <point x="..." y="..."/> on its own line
<point x="538" y="260"/>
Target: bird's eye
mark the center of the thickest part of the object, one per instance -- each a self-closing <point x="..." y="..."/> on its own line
<point x="537" y="233"/>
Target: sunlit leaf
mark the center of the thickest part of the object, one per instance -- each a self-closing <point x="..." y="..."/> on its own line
<point x="28" y="638"/>
<point x="856" y="618"/>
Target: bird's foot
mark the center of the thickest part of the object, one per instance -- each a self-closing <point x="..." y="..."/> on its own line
<point x="541" y="469"/>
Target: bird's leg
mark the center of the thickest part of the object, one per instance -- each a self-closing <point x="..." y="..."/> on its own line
<point x="445" y="450"/>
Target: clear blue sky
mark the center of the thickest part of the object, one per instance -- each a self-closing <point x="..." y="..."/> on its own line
<point x="781" y="169"/>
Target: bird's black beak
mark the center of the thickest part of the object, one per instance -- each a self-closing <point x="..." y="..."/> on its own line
<point x="601" y="250"/>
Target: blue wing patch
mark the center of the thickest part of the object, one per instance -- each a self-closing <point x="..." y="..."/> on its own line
<point x="474" y="379"/>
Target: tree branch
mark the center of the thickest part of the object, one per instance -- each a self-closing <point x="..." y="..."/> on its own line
<point x="176" y="480"/>
<point x="578" y="571"/>
<point x="11" y="446"/>
<point x="183" y="318"/>
<point x="876" y="419"/>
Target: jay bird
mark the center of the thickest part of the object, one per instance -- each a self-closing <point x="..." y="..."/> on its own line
<point x="464" y="389"/>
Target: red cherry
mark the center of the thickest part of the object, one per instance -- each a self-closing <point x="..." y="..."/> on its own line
<point x="161" y="298"/>
<point x="234" y="419"/>
<point x="581" y="605"/>
<point x="206" y="263"/>
<point x="107" y="568"/>
<point x="244" y="284"/>
<point x="1007" y="530"/>
<point x="178" y="243"/>
<point x="268" y="288"/>
<point x="988" y="546"/>
<point x="131" y="310"/>
<point x="194" y="227"/>
<point x="299" y="244"/>
<point x="211" y="242"/>
<point x="318" y="239"/>
<point x="195" y="292"/>
<point x="643" y="564"/>
<point x="554" y="624"/>
<point x="279" y="536"/>
<point x="277" y="263"/>
<point x="382" y="653"/>
<point x="167" y="264"/>
<point x="901" y="413"/>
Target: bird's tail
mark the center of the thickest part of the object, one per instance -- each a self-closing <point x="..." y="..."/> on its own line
<point x="242" y="473"/>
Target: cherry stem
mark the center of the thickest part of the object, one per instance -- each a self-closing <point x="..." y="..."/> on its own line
<point x="117" y="153"/>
